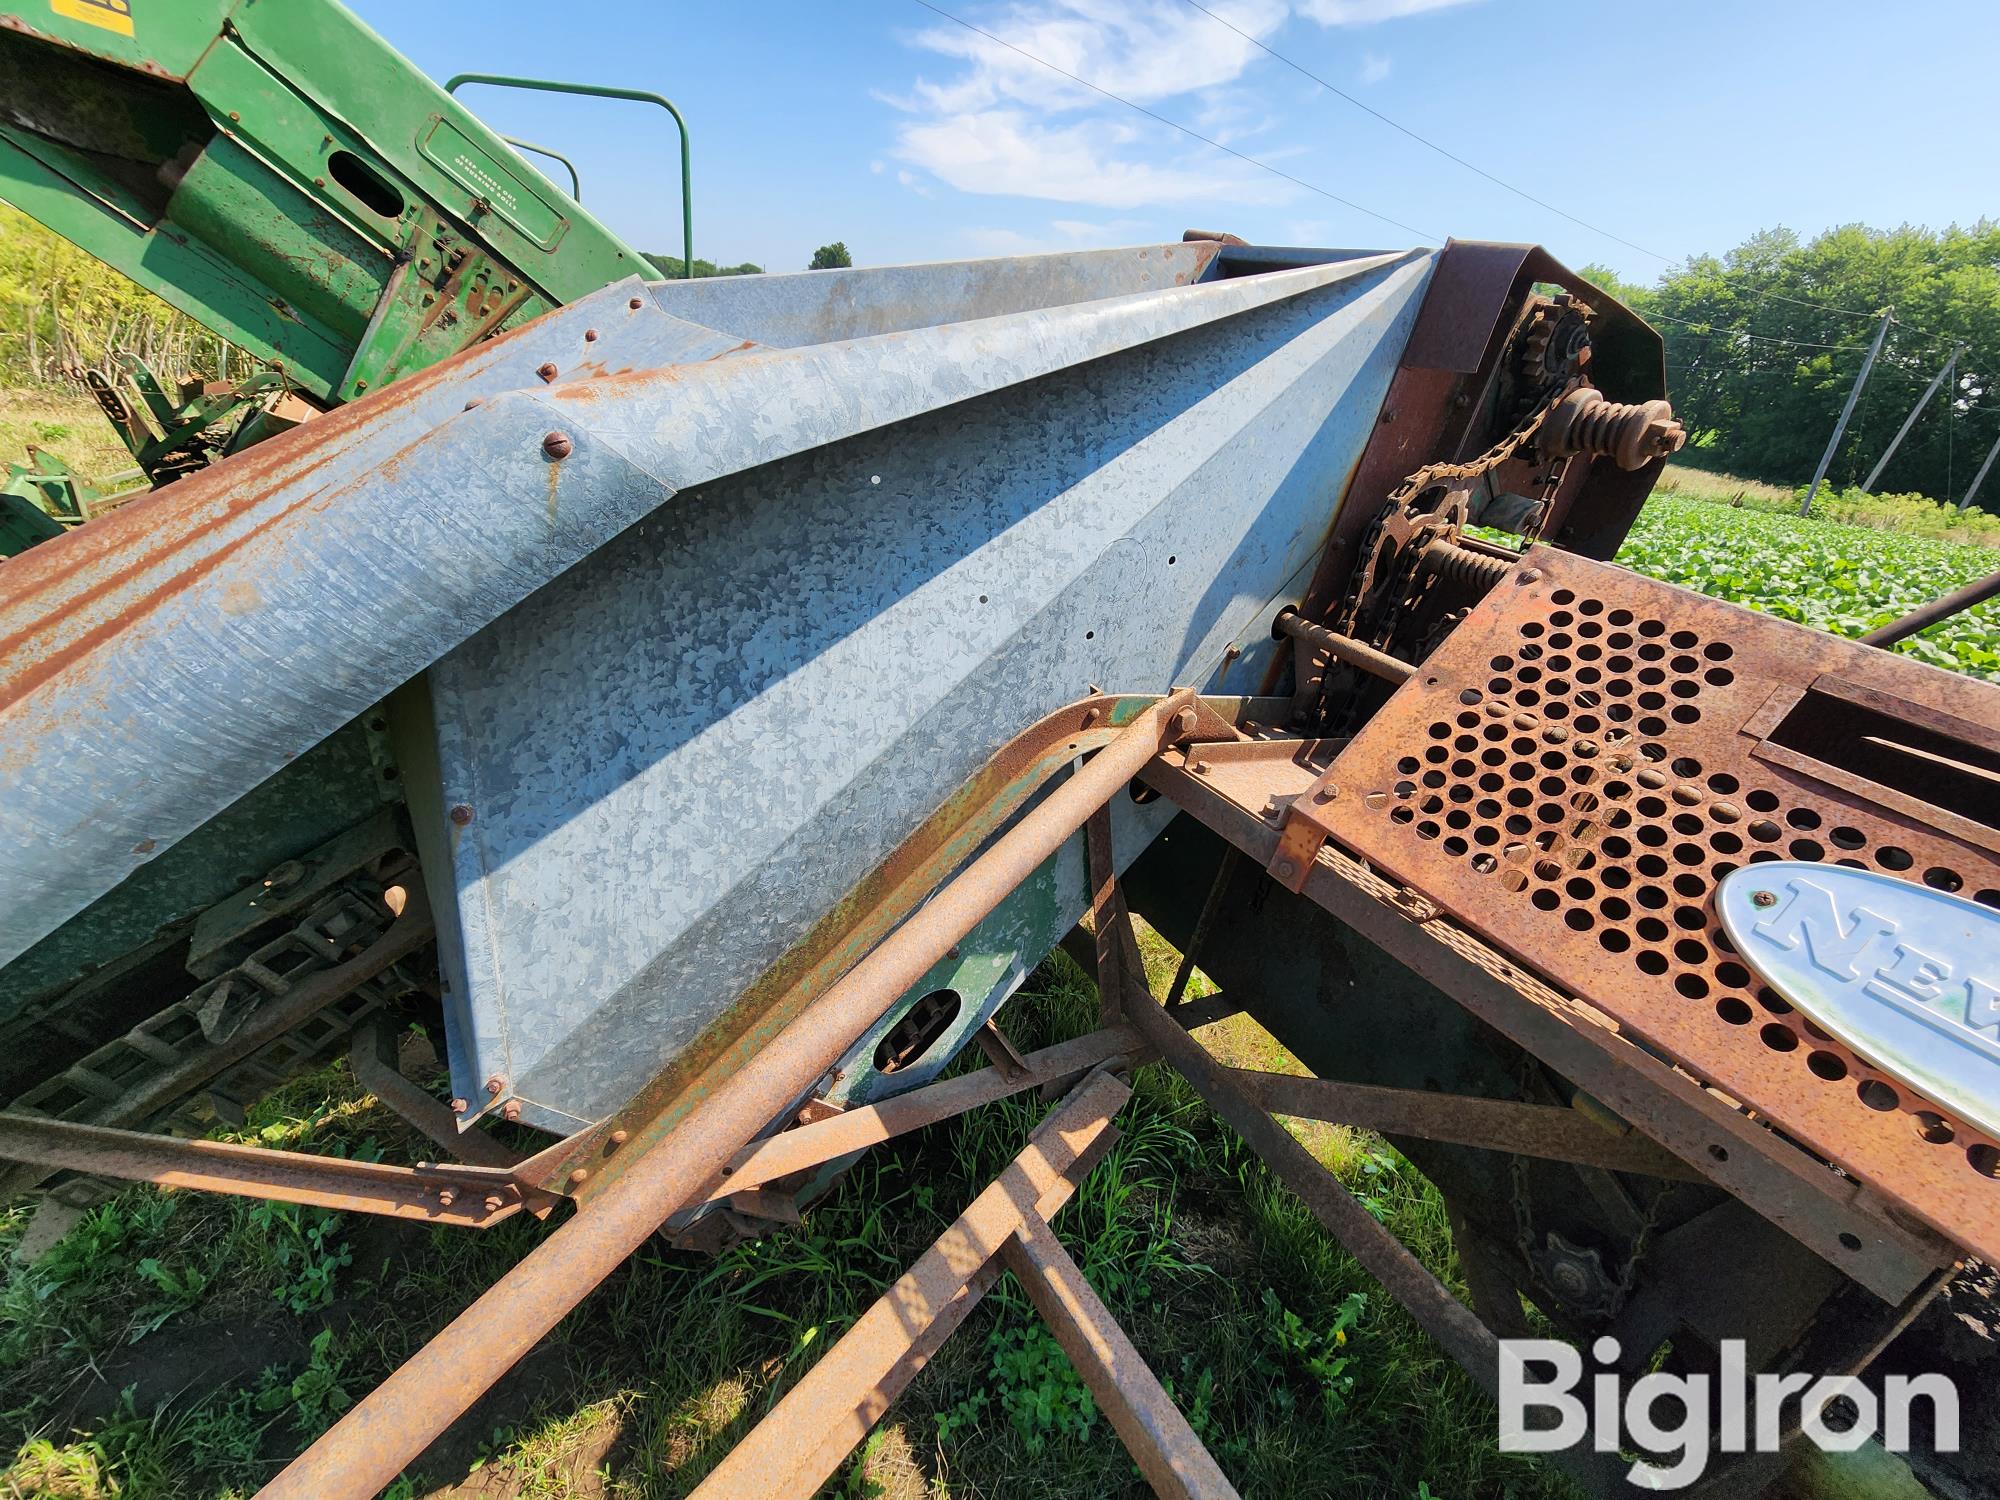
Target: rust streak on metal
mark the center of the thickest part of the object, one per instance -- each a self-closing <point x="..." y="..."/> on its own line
<point x="800" y="1444"/>
<point x="373" y="1442"/>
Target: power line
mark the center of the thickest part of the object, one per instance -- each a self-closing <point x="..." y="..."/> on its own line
<point x="1422" y="140"/>
<point x="1422" y="234"/>
<point x="1759" y="294"/>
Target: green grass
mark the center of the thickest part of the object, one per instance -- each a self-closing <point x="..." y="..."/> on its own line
<point x="1300" y="1374"/>
<point x="65" y="423"/>
<point x="1906" y="515"/>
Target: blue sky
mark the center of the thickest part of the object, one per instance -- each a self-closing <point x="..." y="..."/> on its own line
<point x="1681" y="128"/>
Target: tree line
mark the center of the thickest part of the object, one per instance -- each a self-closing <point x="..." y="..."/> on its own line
<point x="1763" y="344"/>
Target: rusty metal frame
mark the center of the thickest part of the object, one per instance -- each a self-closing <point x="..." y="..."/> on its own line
<point x="374" y="1441"/>
<point x="799" y="1445"/>
<point x="1542" y="1130"/>
<point x="1244" y="795"/>
<point x="471" y="1197"/>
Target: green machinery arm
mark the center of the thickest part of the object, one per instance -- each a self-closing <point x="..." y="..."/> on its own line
<point x="282" y="175"/>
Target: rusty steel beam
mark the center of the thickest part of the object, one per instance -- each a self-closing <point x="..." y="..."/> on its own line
<point x="1494" y="1124"/>
<point x="374" y="1441"/>
<point x="379" y="1075"/>
<point x="1926" y="615"/>
<point x="1344" y="647"/>
<point x="1155" y="1433"/>
<point x="468" y="1196"/>
<point x="1437" y="1312"/>
<point x="799" y="1445"/>
<point x="866" y="1125"/>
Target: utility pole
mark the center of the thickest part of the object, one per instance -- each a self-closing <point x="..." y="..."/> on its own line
<point x="1910" y="421"/>
<point x="1980" y="478"/>
<point x="1833" y="443"/>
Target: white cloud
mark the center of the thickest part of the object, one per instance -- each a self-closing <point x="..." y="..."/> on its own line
<point x="1002" y="123"/>
<point x="1368" y="12"/>
<point x="1063" y="234"/>
<point x="1012" y="152"/>
<point x="914" y="183"/>
<point x="878" y="166"/>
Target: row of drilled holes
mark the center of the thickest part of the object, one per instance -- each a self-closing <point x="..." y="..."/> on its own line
<point x="1671" y="844"/>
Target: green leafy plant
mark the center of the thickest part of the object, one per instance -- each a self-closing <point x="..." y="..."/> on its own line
<point x="1038" y="1387"/>
<point x="316" y="1395"/>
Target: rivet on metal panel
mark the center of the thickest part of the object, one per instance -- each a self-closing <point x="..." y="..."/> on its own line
<point x="1528" y="575"/>
<point x="546" y="371"/>
<point x="635" y="304"/>
<point x="461" y="814"/>
<point x="620" y="1137"/>
<point x="580" y="1175"/>
<point x="590" y="335"/>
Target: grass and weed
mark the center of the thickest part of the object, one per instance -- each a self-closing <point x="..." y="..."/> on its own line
<point x="1908" y="515"/>
<point x="1303" y="1378"/>
<point x="65" y="422"/>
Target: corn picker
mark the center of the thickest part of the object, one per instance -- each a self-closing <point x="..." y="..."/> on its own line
<point x="705" y="701"/>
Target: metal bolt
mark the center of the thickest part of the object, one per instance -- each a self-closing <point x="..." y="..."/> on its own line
<point x="557" y="445"/>
<point x="1184" y="723"/>
<point x="635" y="304"/>
<point x="620" y="1137"/>
<point x="581" y="1174"/>
<point x="458" y="1106"/>
<point x="494" y="1203"/>
<point x="1285" y="869"/>
<point x="511" y="1110"/>
<point x="546" y="371"/>
<point x="1326" y="793"/>
<point x="476" y="400"/>
<point x="446" y="1197"/>
<point x="496" y="1086"/>
<point x="460" y="814"/>
<point x="1388" y="415"/>
<point x="590" y="335"/>
<point x="1763" y="898"/>
<point x="1532" y="575"/>
<point x="1200" y="768"/>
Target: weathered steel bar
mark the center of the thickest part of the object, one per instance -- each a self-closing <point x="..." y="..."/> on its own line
<point x="1155" y="1433"/>
<point x="1441" y="1315"/>
<point x="797" y="1447"/>
<point x="372" y="1443"/>
<point x="1225" y="869"/>
<point x="1345" y="647"/>
<point x="380" y="1076"/>
<point x="470" y="1196"/>
<point x="1926" y="615"/>
<point x="1495" y="1124"/>
<point x="867" y="1125"/>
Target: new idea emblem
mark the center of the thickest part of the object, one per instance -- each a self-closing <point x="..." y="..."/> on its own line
<point x="1907" y="976"/>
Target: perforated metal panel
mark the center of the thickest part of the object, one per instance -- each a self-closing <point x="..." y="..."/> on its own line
<point x="1581" y="762"/>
